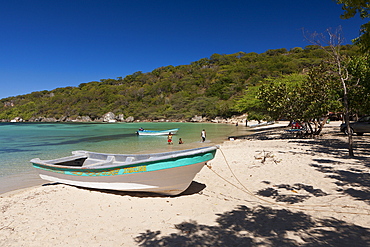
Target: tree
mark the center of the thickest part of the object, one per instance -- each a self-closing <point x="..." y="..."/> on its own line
<point x="302" y="97"/>
<point x="251" y="105"/>
<point x="282" y="98"/>
<point x="351" y="8"/>
<point x="321" y="95"/>
<point x="331" y="43"/>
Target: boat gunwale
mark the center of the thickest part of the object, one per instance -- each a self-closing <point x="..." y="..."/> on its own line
<point x="137" y="163"/>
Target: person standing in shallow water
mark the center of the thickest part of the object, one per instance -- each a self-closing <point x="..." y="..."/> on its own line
<point x="169" y="138"/>
<point x="203" y="135"/>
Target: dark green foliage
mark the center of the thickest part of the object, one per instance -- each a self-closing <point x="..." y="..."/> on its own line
<point x="208" y="87"/>
<point x="282" y="97"/>
<point x="362" y="7"/>
<point x="359" y="84"/>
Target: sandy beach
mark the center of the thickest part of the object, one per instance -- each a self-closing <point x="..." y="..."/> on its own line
<point x="270" y="189"/>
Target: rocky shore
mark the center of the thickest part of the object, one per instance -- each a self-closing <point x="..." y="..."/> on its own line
<point x="110" y="117"/>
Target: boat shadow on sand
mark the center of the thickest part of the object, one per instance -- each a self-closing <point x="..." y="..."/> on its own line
<point x="194" y="188"/>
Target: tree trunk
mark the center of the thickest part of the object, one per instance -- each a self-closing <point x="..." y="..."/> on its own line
<point x="346" y="120"/>
<point x="343" y="74"/>
<point x="321" y="125"/>
<point x="309" y="130"/>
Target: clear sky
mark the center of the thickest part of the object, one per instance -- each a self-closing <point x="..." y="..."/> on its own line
<point x="46" y="44"/>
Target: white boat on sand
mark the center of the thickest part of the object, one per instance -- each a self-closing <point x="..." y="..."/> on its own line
<point x="168" y="173"/>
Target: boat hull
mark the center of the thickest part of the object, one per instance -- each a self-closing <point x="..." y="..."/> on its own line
<point x="167" y="175"/>
<point x="169" y="182"/>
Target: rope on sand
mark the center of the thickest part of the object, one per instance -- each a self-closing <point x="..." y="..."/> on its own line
<point x="298" y="207"/>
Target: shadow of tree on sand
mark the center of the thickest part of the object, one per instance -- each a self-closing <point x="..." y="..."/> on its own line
<point x="280" y="193"/>
<point x="352" y="179"/>
<point x="353" y="182"/>
<point x="338" y="146"/>
<point x="261" y="226"/>
<point x="333" y="142"/>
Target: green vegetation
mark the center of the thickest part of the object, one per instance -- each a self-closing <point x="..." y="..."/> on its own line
<point x="222" y="85"/>
<point x="362" y="7"/>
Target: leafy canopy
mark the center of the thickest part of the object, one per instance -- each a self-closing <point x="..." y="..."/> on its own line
<point x="362" y="7"/>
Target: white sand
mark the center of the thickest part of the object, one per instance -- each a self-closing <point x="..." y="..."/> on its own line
<point x="277" y="176"/>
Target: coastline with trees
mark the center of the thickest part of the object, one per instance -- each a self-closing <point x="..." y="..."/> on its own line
<point x="220" y="86"/>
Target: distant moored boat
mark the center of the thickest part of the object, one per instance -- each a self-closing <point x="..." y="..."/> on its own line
<point x="143" y="132"/>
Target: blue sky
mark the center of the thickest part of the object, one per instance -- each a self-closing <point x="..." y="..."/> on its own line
<point x="46" y="44"/>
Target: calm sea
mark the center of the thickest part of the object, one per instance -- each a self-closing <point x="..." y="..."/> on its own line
<point x="20" y="142"/>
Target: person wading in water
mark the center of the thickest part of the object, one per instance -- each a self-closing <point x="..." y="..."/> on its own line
<point x="203" y="135"/>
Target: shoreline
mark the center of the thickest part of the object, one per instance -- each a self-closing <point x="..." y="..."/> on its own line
<point x="30" y="178"/>
<point x="269" y="189"/>
<point x="13" y="183"/>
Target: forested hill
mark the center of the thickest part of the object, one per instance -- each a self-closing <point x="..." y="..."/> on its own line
<point x="208" y="87"/>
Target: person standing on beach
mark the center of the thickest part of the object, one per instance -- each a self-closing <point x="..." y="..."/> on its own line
<point x="203" y="135"/>
<point x="169" y="138"/>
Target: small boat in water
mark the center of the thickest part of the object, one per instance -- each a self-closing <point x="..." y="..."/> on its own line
<point x="143" y="132"/>
<point x="168" y="173"/>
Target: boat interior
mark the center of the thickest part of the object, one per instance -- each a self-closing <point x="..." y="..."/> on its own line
<point x="94" y="159"/>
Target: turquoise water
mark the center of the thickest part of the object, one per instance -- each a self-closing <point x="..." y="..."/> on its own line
<point x="20" y="142"/>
